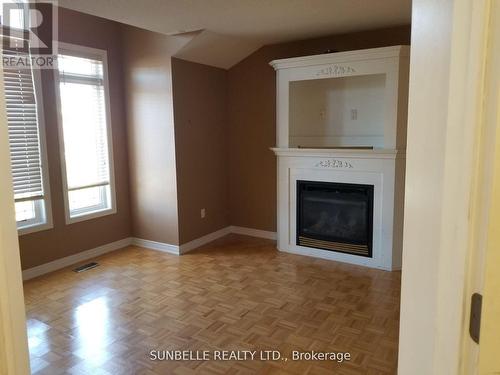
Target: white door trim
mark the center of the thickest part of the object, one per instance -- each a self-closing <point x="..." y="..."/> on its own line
<point x="14" y="358"/>
<point x="446" y="69"/>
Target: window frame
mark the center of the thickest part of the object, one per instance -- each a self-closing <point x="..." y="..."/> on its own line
<point x="30" y="226"/>
<point x="48" y="224"/>
<point x="93" y="53"/>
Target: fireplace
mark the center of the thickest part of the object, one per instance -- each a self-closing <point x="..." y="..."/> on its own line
<point x="335" y="217"/>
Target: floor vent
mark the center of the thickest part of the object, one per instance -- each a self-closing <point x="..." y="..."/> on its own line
<point x="86" y="267"/>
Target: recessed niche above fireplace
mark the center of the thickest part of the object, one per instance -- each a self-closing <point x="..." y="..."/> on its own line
<point x="335" y="216"/>
<point x="354" y="98"/>
<point x="338" y="112"/>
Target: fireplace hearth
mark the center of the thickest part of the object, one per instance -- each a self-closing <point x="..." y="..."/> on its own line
<point x="335" y="217"/>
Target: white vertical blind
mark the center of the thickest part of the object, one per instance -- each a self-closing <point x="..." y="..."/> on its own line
<point x="22" y="121"/>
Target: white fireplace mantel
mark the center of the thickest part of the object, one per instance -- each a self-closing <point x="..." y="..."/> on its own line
<point x="381" y="168"/>
<point x="377" y="153"/>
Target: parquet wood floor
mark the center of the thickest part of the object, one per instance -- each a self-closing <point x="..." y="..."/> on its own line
<point x="237" y="293"/>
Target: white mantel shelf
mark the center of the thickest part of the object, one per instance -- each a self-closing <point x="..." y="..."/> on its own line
<point x="375" y="153"/>
<point x="341" y="57"/>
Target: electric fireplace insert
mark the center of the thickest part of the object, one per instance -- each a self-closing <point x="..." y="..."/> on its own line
<point x="335" y="217"/>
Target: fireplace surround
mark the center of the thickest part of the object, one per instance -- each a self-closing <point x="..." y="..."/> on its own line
<point x="340" y="125"/>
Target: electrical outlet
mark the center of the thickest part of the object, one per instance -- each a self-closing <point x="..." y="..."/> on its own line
<point x="203" y="213"/>
<point x="354" y="114"/>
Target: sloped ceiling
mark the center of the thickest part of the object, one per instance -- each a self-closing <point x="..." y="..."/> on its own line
<point x="226" y="31"/>
<point x="218" y="50"/>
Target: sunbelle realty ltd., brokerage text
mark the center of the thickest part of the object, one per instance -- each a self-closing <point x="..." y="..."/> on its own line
<point x="246" y="355"/>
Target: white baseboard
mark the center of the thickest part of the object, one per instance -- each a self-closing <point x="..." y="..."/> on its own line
<point x="57" y="264"/>
<point x="191" y="245"/>
<point x="148" y="244"/>
<point x="154" y="245"/>
<point x="254" y="232"/>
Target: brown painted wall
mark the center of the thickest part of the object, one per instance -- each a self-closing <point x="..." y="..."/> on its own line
<point x="216" y="156"/>
<point x="149" y="98"/>
<point x="64" y="240"/>
<point x="252" y="125"/>
<point x="200" y="113"/>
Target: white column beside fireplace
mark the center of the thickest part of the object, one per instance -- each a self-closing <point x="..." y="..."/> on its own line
<point x="341" y="118"/>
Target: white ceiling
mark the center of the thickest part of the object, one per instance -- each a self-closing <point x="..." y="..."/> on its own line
<point x="252" y="23"/>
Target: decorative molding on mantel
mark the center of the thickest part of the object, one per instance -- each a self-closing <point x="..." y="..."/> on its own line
<point x="339" y="153"/>
<point x="335" y="70"/>
<point x="333" y="163"/>
<point x="341" y="57"/>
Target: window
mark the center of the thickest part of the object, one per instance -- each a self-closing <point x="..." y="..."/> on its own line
<point x="26" y="144"/>
<point x="85" y="133"/>
<point x="18" y="14"/>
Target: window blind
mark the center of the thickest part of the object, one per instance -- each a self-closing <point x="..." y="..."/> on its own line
<point x="84" y="125"/>
<point x="84" y="122"/>
<point x="22" y="122"/>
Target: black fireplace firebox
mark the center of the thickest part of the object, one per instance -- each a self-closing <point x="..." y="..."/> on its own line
<point x="335" y="217"/>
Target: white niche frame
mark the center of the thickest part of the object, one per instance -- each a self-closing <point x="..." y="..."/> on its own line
<point x="393" y="62"/>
